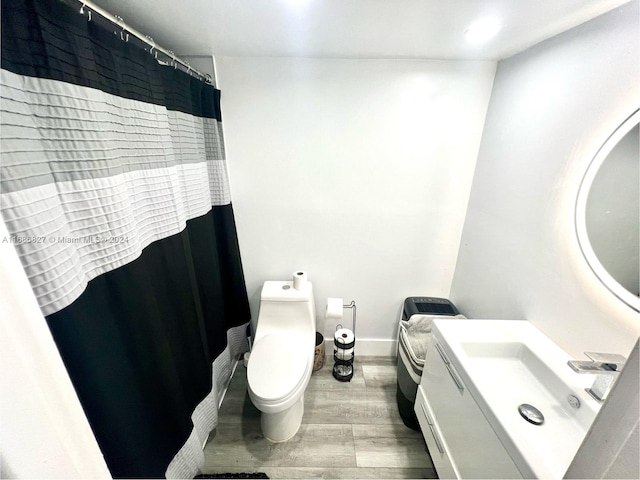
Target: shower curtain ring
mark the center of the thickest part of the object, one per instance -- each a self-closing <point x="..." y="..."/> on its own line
<point x="153" y="43"/>
<point x="120" y="22"/>
<point x="88" y="11"/>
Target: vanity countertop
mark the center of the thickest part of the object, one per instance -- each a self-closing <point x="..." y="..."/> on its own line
<point x="507" y="363"/>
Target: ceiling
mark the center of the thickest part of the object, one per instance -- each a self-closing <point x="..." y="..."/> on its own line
<point x="430" y="29"/>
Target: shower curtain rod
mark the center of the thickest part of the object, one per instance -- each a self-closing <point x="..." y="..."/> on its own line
<point x="91" y="7"/>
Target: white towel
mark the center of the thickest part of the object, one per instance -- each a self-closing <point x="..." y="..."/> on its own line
<point x="418" y="328"/>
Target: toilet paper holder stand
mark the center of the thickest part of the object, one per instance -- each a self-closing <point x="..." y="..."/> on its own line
<point x="352" y="306"/>
<point x="343" y="367"/>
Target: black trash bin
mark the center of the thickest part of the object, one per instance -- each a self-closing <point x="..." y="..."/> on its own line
<point x="410" y="362"/>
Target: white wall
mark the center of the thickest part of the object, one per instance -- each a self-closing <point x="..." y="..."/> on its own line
<point x="45" y="433"/>
<point x="551" y="108"/>
<point x="357" y="171"/>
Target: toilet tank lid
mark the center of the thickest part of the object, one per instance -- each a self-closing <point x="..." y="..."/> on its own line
<point x="284" y="292"/>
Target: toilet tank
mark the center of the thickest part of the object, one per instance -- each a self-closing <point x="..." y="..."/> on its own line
<point x="285" y="309"/>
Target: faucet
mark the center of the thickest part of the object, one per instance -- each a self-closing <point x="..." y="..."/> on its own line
<point x="606" y="367"/>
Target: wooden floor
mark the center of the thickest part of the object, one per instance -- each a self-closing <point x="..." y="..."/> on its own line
<point x="349" y="430"/>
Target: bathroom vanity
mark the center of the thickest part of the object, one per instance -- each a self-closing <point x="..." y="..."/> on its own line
<point x="477" y="374"/>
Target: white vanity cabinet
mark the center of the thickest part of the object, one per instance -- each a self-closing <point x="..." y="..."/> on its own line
<point x="461" y="442"/>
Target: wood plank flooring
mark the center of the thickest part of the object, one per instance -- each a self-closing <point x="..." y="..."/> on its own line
<point x="349" y="430"/>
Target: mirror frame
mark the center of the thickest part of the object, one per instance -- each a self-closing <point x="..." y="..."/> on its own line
<point x="581" y="209"/>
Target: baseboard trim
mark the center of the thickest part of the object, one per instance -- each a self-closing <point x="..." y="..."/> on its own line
<point x="369" y="347"/>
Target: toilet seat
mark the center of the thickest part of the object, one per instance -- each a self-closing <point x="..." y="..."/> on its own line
<point x="278" y="366"/>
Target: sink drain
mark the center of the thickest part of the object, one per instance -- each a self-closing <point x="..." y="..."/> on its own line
<point x="531" y="414"/>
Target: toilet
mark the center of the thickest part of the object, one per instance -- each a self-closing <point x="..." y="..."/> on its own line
<point x="281" y="359"/>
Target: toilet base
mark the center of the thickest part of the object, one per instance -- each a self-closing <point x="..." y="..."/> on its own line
<point x="282" y="426"/>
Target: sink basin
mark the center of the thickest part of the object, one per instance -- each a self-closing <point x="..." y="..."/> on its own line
<point x="508" y="363"/>
<point x="526" y="373"/>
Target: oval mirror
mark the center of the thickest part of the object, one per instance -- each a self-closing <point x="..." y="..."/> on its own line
<point x="608" y="213"/>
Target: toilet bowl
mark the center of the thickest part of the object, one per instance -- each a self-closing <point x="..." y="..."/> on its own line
<point x="281" y="359"/>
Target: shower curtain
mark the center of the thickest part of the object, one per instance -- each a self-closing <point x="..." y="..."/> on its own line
<point x="114" y="191"/>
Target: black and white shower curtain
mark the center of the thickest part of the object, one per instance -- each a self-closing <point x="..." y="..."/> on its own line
<point x="114" y="189"/>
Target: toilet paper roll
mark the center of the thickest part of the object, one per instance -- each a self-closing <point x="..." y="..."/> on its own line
<point x="343" y="354"/>
<point x="344" y="339"/>
<point x="299" y="280"/>
<point x="334" y="309"/>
